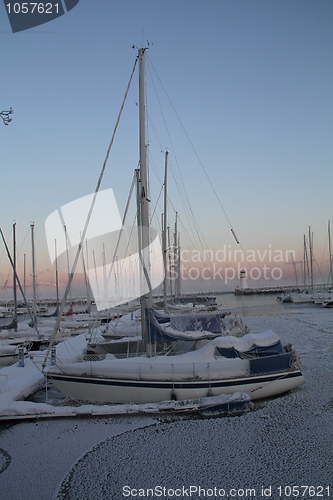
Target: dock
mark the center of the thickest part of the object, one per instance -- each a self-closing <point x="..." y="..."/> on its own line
<point x="279" y="289"/>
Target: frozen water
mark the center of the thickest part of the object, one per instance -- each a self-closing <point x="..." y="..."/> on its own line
<point x="283" y="442"/>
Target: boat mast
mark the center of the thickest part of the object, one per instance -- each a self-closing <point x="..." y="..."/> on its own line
<point x="86" y="279"/>
<point x="175" y="257"/>
<point x="146" y="300"/>
<point x="311" y="258"/>
<point x="67" y="259"/>
<point x="24" y="271"/>
<point x="306" y="264"/>
<point x="330" y="254"/>
<point x="295" y="270"/>
<point x="14" y="276"/>
<point x="170" y="274"/>
<point x="34" y="311"/>
<point x="164" y="233"/>
<point x="56" y="271"/>
<point x="178" y="268"/>
<point x="143" y="154"/>
<point x="17" y="280"/>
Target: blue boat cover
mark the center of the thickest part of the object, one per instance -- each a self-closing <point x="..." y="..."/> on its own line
<point x="255" y="351"/>
<point x="155" y="332"/>
<point x="271" y="363"/>
<point x="262" y="351"/>
<point x="228" y="352"/>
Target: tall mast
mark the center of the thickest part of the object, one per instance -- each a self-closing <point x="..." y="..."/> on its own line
<point x="14" y="276"/>
<point x="24" y="271"/>
<point x="17" y="278"/>
<point x="86" y="278"/>
<point x="330" y="253"/>
<point x="146" y="300"/>
<point x="67" y="259"/>
<point x="306" y="263"/>
<point x="170" y="274"/>
<point x="164" y="233"/>
<point x="175" y="256"/>
<point x="311" y="258"/>
<point x="178" y="268"/>
<point x="295" y="270"/>
<point x="56" y="271"/>
<point x="34" y="312"/>
<point x="143" y="156"/>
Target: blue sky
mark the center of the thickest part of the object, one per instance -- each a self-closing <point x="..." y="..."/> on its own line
<point x="251" y="82"/>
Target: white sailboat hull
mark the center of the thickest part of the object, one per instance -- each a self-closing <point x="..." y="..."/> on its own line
<point x="255" y="364"/>
<point x="8" y="359"/>
<point x="108" y="390"/>
<point x="8" y="355"/>
<point x="301" y="299"/>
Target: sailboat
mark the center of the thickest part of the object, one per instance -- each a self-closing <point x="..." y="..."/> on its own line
<point x="257" y="364"/>
<point x="326" y="299"/>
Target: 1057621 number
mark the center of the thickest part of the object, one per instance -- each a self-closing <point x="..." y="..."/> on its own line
<point x="304" y="491"/>
<point x="32" y="8"/>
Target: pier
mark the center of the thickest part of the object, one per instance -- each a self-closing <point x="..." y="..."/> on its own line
<point x="282" y="289"/>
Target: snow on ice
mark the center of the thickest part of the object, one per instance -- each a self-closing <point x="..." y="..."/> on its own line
<point x="283" y="442"/>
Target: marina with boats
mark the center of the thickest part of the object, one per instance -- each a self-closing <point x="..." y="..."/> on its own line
<point x="179" y="360"/>
<point x="91" y="435"/>
<point x="27" y="394"/>
<point x="188" y="350"/>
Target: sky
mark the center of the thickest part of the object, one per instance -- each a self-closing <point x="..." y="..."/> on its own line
<point x="239" y="93"/>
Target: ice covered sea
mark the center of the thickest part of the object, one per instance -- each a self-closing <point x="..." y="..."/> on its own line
<point x="283" y="448"/>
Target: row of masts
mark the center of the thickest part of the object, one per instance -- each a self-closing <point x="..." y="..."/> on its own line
<point x="308" y="261"/>
<point x="171" y="253"/>
<point x="16" y="282"/>
<point x="171" y="262"/>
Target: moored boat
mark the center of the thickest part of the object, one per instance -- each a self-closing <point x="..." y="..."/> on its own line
<point x="8" y="355"/>
<point x="256" y="364"/>
<point x="327" y="303"/>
